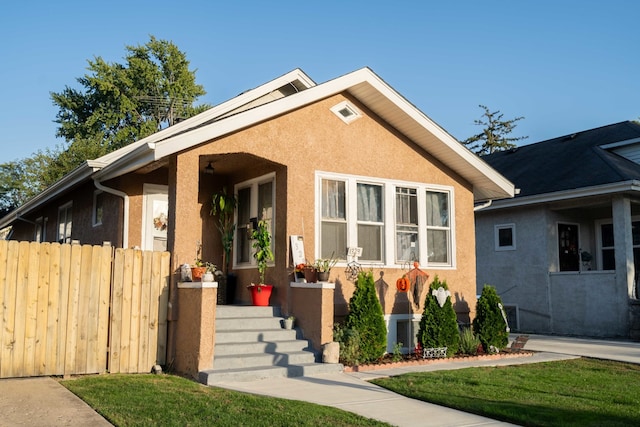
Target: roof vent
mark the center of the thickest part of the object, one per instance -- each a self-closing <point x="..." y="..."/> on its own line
<point x="346" y="112"/>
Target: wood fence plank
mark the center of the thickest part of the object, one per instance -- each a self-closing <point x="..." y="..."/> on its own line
<point x="63" y="313"/>
<point x="103" y="310"/>
<point x="31" y="315"/>
<point x="11" y="291"/>
<point x="42" y="314"/>
<point x="93" y="309"/>
<point x="20" y="327"/>
<point x="163" y="305"/>
<point x="126" y="311"/>
<point x="4" y="248"/>
<point x="134" y="325"/>
<point x="84" y="295"/>
<point x="71" y="362"/>
<point x="144" y="362"/>
<point x="52" y="347"/>
<point x="117" y="291"/>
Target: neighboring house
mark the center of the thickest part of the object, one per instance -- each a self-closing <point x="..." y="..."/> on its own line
<point x="346" y="163"/>
<point x="564" y="254"/>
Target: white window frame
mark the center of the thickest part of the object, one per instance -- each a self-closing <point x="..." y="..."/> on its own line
<point x="345" y="106"/>
<point x="599" y="247"/>
<point x="63" y="210"/>
<point x="389" y="239"/>
<point x="253" y="184"/>
<point x="94" y="215"/>
<point x="496" y="235"/>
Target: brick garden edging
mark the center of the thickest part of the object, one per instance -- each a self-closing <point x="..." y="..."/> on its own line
<point x="391" y="365"/>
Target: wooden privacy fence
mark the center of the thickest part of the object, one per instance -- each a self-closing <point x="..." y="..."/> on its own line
<point x="72" y="309"/>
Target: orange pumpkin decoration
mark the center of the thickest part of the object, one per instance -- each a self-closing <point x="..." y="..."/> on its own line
<point x="403" y="284"/>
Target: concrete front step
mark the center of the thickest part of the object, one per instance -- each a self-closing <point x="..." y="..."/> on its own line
<point x="235" y="361"/>
<point x="213" y="377"/>
<point x="236" y="348"/>
<point x="258" y="335"/>
<point x="248" y="323"/>
<point x="246" y="311"/>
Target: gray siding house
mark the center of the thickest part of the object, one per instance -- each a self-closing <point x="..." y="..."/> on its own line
<point x="564" y="254"/>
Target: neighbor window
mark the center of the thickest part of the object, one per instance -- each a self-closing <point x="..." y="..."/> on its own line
<point x="568" y="247"/>
<point x="356" y="213"/>
<point x="505" y="237"/>
<point x="607" y="251"/>
<point x="39" y="232"/>
<point x="64" y="223"/>
<point x="256" y="202"/>
<point x="98" y="197"/>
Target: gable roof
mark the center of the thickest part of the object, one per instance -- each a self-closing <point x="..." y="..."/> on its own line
<point x="287" y="93"/>
<point x="569" y="163"/>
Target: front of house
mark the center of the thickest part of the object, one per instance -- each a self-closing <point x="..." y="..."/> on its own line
<point x="345" y="164"/>
<point x="564" y="254"/>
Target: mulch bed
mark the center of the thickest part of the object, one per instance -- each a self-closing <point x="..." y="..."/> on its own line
<point x="412" y="360"/>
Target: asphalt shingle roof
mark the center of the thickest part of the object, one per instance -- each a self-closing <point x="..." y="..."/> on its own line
<point x="568" y="162"/>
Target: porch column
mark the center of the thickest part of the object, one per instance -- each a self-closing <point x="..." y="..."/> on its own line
<point x="312" y="306"/>
<point x="623" y="244"/>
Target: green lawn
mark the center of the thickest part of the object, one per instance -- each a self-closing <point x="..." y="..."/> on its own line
<point x="167" y="400"/>
<point x="578" y="392"/>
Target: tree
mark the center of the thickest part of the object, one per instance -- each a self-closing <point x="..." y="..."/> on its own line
<point x="117" y="104"/>
<point x="489" y="324"/>
<point x="439" y="325"/>
<point x="495" y="135"/>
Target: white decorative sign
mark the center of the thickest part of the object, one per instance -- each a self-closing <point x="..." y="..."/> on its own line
<point x="297" y="250"/>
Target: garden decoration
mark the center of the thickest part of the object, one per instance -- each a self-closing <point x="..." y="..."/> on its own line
<point x="353" y="266"/>
<point x="403" y="284"/>
<point x="418" y="283"/>
<point x="441" y="295"/>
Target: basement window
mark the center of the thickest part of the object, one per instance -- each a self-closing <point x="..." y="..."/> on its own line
<point x="346" y="112"/>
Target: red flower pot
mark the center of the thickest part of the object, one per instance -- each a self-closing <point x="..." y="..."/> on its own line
<point x="260" y="294"/>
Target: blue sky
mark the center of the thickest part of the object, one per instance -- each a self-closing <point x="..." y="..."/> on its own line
<point x="565" y="65"/>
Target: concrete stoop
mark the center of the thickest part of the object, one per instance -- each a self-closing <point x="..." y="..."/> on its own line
<point x="251" y="344"/>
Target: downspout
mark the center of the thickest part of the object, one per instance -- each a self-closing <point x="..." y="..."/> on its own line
<point x="482" y="206"/>
<point x="125" y="198"/>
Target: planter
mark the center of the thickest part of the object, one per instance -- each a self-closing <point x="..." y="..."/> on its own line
<point x="208" y="277"/>
<point x="260" y="294"/>
<point x="323" y="276"/>
<point x="197" y="272"/>
<point x="288" y="323"/>
<point x="310" y="275"/>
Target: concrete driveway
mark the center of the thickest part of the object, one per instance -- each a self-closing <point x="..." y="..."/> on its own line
<point x="620" y="350"/>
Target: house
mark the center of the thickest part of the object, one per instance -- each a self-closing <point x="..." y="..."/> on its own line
<point x="348" y="163"/>
<point x="564" y="254"/>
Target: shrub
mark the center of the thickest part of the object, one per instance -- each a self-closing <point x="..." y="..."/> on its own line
<point x="439" y="325"/>
<point x="489" y="323"/>
<point x="365" y="316"/>
<point x="469" y="342"/>
<point x="349" y="340"/>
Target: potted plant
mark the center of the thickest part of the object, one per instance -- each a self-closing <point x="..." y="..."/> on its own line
<point x="199" y="267"/>
<point x="288" y="322"/>
<point x="323" y="268"/>
<point x="209" y="275"/>
<point x="223" y="206"/>
<point x="261" y="237"/>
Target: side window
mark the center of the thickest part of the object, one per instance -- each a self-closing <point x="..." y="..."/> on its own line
<point x="505" y="237"/>
<point x="438" y="228"/>
<point x="370" y="221"/>
<point x="333" y="226"/>
<point x="64" y="223"/>
<point x="98" y="197"/>
<point x="406" y="225"/>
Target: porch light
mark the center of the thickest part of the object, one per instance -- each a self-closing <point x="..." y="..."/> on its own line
<point x="209" y="169"/>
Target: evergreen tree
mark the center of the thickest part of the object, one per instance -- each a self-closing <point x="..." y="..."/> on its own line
<point x="366" y="317"/>
<point x="439" y="325"/>
<point x="495" y="133"/>
<point x="489" y="324"/>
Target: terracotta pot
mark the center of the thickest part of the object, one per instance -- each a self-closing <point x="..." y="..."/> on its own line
<point x="310" y="275"/>
<point x="197" y="272"/>
<point x="260" y="294"/>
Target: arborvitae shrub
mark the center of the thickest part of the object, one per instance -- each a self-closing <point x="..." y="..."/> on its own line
<point x="489" y="324"/>
<point x="439" y="325"/>
<point x="365" y="316"/>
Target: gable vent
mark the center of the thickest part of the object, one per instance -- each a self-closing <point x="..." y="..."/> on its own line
<point x="346" y="112"/>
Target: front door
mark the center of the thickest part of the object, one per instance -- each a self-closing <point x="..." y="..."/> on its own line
<point x="155" y="214"/>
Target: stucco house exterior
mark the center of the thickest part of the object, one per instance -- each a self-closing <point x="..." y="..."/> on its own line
<point x="564" y="254"/>
<point x="346" y="163"/>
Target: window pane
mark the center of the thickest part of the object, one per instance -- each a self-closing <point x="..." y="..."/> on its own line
<point x="243" y="246"/>
<point x="406" y="224"/>
<point x="606" y="232"/>
<point x="608" y="259"/>
<point x="334" y="239"/>
<point x="407" y="244"/>
<point x="505" y="237"/>
<point x="370" y="240"/>
<point x="406" y="206"/>
<point x="437" y="242"/>
<point x="437" y="209"/>
<point x="370" y="202"/>
<point x="333" y="199"/>
<point x="635" y="231"/>
<point x="265" y="201"/>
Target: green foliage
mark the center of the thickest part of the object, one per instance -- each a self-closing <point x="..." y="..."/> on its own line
<point x="489" y="324"/>
<point x="349" y="340"/>
<point x="469" y="342"/>
<point x="262" y="244"/>
<point x="397" y="355"/>
<point x="439" y="325"/>
<point x="223" y="205"/>
<point x="117" y="104"/>
<point x="366" y="317"/>
<point x="495" y="133"/>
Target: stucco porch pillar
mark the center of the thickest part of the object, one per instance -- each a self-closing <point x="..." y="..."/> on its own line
<point x="312" y="306"/>
<point x="623" y="244"/>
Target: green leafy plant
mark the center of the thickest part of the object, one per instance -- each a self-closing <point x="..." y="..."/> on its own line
<point x="365" y="316"/>
<point x="469" y="342"/>
<point x="439" y="325"/>
<point x="324" y="265"/>
<point x="262" y="244"/>
<point x="397" y="355"/>
<point x="489" y="324"/>
<point x="223" y="206"/>
<point x="349" y="340"/>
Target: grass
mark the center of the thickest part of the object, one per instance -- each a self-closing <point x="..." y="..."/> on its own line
<point x="577" y="392"/>
<point x="167" y="400"/>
